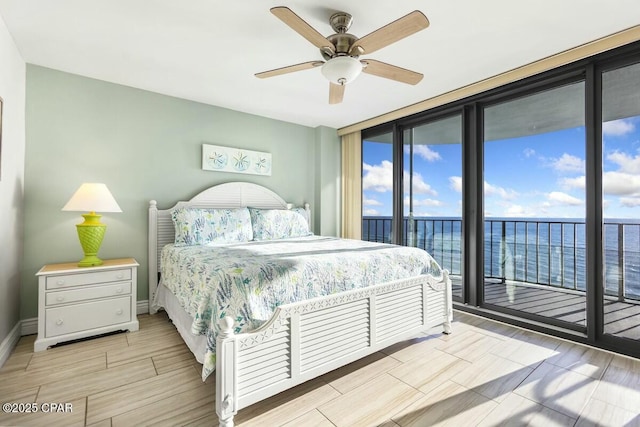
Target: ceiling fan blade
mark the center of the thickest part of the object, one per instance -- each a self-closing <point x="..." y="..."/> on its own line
<point x="336" y="93"/>
<point x="389" y="71"/>
<point x="300" y="26"/>
<point x="391" y="33"/>
<point x="289" y="69"/>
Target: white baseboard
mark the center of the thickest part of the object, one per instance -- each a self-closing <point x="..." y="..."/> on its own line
<point x="9" y="343"/>
<point x="143" y="307"/>
<point x="29" y="326"/>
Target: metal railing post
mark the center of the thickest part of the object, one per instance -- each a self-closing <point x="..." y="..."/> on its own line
<point x="620" y="262"/>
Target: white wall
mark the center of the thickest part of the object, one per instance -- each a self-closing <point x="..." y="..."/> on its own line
<point x="12" y="152"/>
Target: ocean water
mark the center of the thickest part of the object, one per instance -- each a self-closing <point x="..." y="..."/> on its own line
<point x="543" y="251"/>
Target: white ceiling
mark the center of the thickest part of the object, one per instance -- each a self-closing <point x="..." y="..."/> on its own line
<point x="209" y="50"/>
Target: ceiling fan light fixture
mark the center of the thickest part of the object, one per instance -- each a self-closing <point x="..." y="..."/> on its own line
<point x="341" y="69"/>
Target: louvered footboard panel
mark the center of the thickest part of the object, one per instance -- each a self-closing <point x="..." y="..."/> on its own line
<point x="436" y="312"/>
<point x="265" y="364"/>
<point x="329" y="334"/>
<point x="398" y="310"/>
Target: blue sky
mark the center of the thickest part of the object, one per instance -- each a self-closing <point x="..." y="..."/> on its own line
<point x="539" y="176"/>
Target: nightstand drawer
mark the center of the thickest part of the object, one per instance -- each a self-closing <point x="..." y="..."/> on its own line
<point x="83" y="294"/>
<point x="90" y="315"/>
<point x="66" y="280"/>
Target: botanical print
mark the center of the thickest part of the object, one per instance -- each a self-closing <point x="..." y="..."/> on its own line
<point x="227" y="159"/>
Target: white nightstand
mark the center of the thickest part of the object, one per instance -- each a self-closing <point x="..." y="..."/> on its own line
<point x="76" y="302"/>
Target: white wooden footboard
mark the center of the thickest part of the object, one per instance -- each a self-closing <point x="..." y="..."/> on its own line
<point x="307" y="339"/>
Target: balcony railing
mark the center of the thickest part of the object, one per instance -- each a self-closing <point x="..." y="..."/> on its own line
<point x="550" y="253"/>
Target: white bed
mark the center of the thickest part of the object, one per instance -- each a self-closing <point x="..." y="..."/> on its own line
<point x="245" y="363"/>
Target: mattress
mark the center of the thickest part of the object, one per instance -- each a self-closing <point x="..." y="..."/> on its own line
<point x="248" y="280"/>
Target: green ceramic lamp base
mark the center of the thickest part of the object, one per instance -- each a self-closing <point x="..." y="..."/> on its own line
<point x="91" y="232"/>
<point x="90" y="261"/>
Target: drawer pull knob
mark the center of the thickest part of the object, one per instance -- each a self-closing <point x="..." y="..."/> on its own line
<point x="60" y="299"/>
<point x="119" y="291"/>
<point x="59" y="322"/>
<point x="60" y="282"/>
<point x="119" y="311"/>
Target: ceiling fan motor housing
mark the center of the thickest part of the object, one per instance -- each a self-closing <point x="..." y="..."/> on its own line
<point x="342" y="43"/>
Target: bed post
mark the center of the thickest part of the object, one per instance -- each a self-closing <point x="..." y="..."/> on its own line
<point x="153" y="253"/>
<point x="226" y="399"/>
<point x="448" y="302"/>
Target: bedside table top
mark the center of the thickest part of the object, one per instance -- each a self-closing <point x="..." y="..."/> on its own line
<point x="73" y="266"/>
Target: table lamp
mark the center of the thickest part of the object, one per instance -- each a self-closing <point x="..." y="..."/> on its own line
<point x="93" y="198"/>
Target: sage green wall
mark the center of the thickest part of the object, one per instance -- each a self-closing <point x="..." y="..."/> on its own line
<point x="328" y="173"/>
<point x="143" y="146"/>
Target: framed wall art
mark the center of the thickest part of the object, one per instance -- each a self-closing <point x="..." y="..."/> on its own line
<point x="236" y="160"/>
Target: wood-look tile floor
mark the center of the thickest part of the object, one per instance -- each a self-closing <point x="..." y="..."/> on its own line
<point x="484" y="374"/>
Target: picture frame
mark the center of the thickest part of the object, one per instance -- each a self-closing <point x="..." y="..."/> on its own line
<point x="235" y="160"/>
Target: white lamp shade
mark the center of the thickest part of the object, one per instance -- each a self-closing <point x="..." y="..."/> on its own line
<point x="92" y="197"/>
<point x="341" y="69"/>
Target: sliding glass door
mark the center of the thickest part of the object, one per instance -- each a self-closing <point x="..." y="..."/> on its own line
<point x="534" y="206"/>
<point x="432" y="192"/>
<point x="621" y="201"/>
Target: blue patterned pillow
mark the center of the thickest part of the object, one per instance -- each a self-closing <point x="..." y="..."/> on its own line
<point x="195" y="226"/>
<point x="272" y="224"/>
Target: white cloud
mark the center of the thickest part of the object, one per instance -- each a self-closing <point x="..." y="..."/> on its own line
<point x="568" y="163"/>
<point x="627" y="163"/>
<point x="626" y="180"/>
<point x="630" y="202"/>
<point x="425" y="152"/>
<point x="617" y="127"/>
<point x="621" y="184"/>
<point x="455" y="183"/>
<point x="570" y="183"/>
<point x="528" y="152"/>
<point x="419" y="186"/>
<point x="371" y="212"/>
<point x="371" y="202"/>
<point x="517" y="211"/>
<point x="613" y="183"/>
<point x="558" y="197"/>
<point x="378" y="178"/>
<point x="423" y="202"/>
<point x="492" y="190"/>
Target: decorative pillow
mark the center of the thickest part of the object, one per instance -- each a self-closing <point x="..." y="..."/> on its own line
<point x="194" y="226"/>
<point x="272" y="224"/>
<point x="303" y="212"/>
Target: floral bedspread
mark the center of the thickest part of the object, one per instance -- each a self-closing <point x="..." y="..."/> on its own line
<point x="247" y="281"/>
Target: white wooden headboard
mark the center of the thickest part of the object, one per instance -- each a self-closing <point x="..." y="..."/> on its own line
<point x="229" y="195"/>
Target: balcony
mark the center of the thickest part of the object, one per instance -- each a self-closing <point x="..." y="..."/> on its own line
<point x="535" y="266"/>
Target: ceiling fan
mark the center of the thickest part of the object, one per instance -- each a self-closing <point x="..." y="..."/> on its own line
<point x="342" y="50"/>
